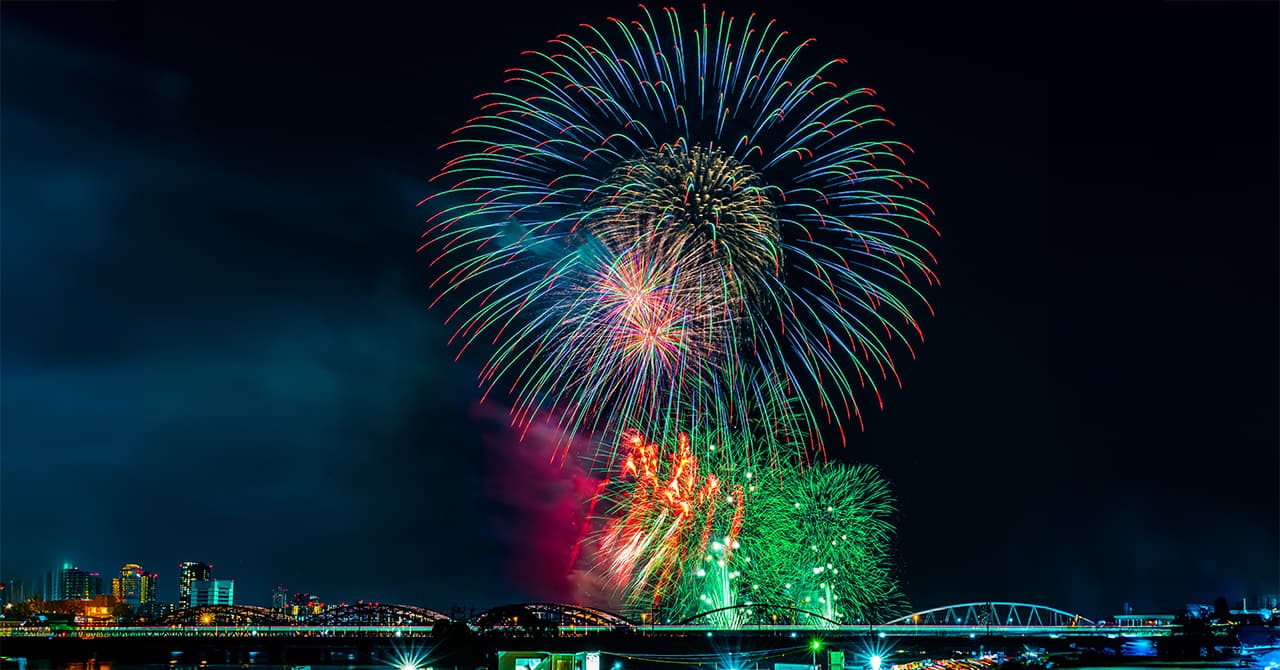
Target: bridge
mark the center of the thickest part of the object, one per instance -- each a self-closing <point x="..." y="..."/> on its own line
<point x="976" y="619"/>
<point x="992" y="614"/>
<point x="377" y="634"/>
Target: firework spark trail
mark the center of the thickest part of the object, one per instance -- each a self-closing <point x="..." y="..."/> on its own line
<point x="668" y="510"/>
<point x="823" y="541"/>
<point x="659" y="229"/>
<point x="679" y="225"/>
<point x="697" y="528"/>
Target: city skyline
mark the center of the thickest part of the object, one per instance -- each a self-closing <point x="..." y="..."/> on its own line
<point x="217" y="342"/>
<point x="146" y="588"/>
<point x="291" y="597"/>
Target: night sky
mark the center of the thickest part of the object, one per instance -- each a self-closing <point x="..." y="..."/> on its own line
<point x="216" y="344"/>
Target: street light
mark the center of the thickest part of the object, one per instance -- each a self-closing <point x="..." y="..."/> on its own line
<point x="815" y="646"/>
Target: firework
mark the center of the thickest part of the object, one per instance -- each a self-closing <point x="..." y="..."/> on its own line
<point x="668" y="518"/>
<point x="706" y="527"/>
<point x="822" y="538"/>
<point x="677" y="225"/>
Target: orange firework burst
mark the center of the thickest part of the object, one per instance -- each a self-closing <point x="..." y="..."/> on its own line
<point x="668" y="511"/>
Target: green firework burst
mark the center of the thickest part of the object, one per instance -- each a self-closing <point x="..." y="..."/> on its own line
<point x="821" y="539"/>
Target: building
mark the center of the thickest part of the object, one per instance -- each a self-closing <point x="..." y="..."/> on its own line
<point x="304" y="605"/>
<point x="212" y="592"/>
<point x="1130" y="619"/>
<point x="280" y="598"/>
<point x="134" y="586"/>
<point x="525" y="660"/>
<point x="71" y="583"/>
<point x="99" y="611"/>
<point x="12" y="592"/>
<point x="154" y="610"/>
<point x="190" y="572"/>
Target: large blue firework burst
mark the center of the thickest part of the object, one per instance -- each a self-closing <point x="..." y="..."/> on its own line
<point x="662" y="225"/>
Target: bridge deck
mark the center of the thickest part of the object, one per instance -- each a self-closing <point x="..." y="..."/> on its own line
<point x="885" y="631"/>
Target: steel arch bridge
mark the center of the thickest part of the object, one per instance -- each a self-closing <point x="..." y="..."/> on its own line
<point x="377" y="614"/>
<point x="226" y="615"/>
<point x="548" y="615"/>
<point x="992" y="614"/>
<point x="734" y="616"/>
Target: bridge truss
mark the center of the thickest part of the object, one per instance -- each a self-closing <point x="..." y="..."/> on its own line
<point x="738" y="616"/>
<point x="992" y="614"/>
<point x="377" y="614"/>
<point x="529" y="615"/>
<point x="226" y="615"/>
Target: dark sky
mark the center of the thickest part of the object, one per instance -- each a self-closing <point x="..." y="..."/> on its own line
<point x="216" y="344"/>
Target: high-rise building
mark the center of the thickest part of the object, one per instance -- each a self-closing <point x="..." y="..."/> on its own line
<point x="149" y="588"/>
<point x="154" y="610"/>
<point x="68" y="583"/>
<point x="304" y="605"/>
<point x="212" y="592"/>
<point x="95" y="585"/>
<point x="279" y="598"/>
<point x="190" y="572"/>
<point x="134" y="586"/>
<point x="9" y="593"/>
<point x="14" y="591"/>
